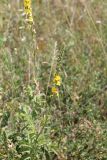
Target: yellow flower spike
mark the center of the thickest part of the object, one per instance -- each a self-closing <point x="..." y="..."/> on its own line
<point x="28" y="11"/>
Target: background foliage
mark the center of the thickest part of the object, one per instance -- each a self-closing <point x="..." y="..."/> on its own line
<point x="70" y="39"/>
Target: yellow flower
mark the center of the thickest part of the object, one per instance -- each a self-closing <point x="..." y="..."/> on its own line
<point x="27" y="7"/>
<point x="58" y="83"/>
<point x="28" y="10"/>
<point x="57" y="80"/>
<point x="55" y="91"/>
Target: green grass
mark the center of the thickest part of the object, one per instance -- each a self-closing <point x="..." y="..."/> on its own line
<point x="70" y="40"/>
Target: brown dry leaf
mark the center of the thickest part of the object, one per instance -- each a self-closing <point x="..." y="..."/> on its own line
<point x="41" y="44"/>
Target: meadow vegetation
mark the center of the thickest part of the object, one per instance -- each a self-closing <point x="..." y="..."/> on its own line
<point x="53" y="80"/>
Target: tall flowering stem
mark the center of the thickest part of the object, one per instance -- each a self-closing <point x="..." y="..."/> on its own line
<point x="31" y="37"/>
<point x="57" y="80"/>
